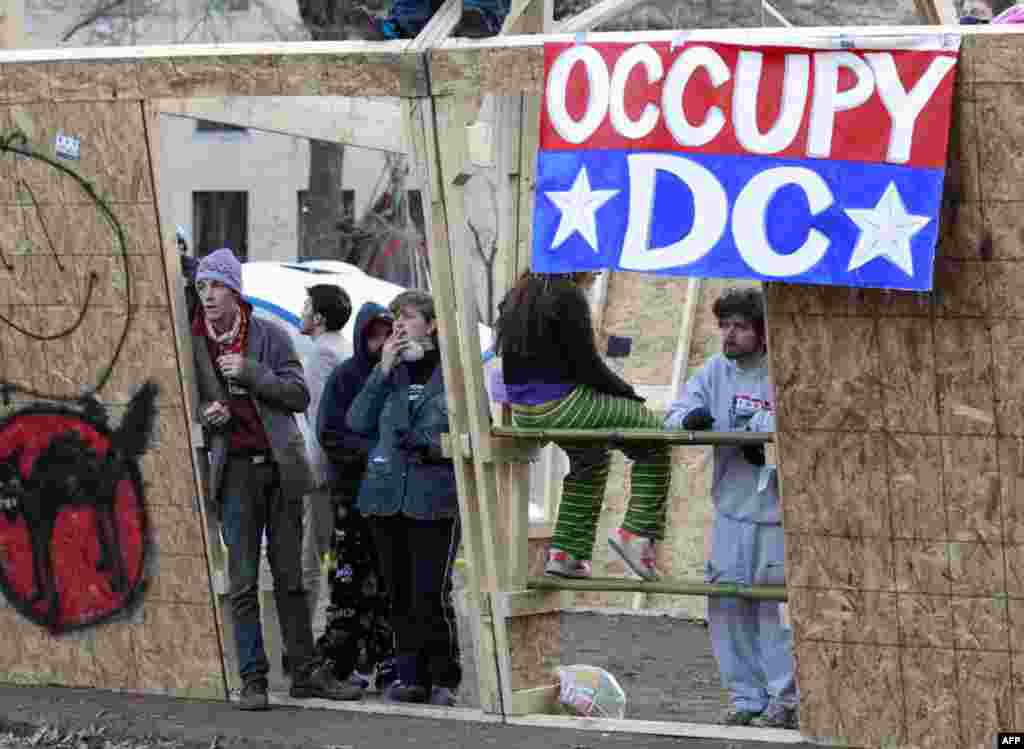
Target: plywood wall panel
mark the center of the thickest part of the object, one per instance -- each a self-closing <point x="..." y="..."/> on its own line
<point x="973" y="488"/>
<point x="826" y="375"/>
<point x="977" y="569"/>
<point x="916" y="493"/>
<point x="999" y="140"/>
<point x="986" y="702"/>
<point x="907" y="355"/>
<point x="179" y="578"/>
<point x="850" y="693"/>
<point x="177" y="651"/>
<point x="925" y="620"/>
<point x="964" y="370"/>
<point x="1005" y="283"/>
<point x="866" y="617"/>
<point x="531" y="641"/>
<point x="961" y="288"/>
<point x="824" y="465"/>
<point x="981" y="623"/>
<point x="922" y="566"/>
<point x="93" y="81"/>
<point x="932" y="697"/>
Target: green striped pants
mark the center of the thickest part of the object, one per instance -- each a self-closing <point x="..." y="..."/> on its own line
<point x="584" y="485"/>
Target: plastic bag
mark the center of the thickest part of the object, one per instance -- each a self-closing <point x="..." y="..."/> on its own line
<point x="591" y="692"/>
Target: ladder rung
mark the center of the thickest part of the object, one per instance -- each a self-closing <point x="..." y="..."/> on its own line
<point x="622" y="436"/>
<point x="666" y="587"/>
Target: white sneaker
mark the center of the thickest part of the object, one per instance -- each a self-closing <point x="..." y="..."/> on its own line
<point x="563" y="564"/>
<point x="636" y="551"/>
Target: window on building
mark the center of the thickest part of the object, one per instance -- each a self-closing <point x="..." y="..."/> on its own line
<point x="221" y="219"/>
<point x="416" y="214"/>
<point x="236" y="6"/>
<point x="348" y="205"/>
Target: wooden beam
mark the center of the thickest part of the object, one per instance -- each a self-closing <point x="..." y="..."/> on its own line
<point x="12" y="23"/>
<point x="181" y="332"/>
<point x="189" y="70"/>
<point x="635" y="436"/>
<point x="536" y="701"/>
<point x="660" y="728"/>
<point x="595" y="15"/>
<point x="439" y="27"/>
<point x="662" y="587"/>
<point x="774" y="13"/>
<point x="928" y="12"/>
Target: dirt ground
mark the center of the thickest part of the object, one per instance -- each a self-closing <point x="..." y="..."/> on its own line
<point x="664" y="665"/>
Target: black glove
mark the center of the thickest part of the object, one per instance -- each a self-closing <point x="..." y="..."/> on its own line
<point x="754" y="454"/>
<point x="698" y="419"/>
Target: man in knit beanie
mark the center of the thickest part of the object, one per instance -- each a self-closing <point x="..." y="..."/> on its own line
<point x="251" y="386"/>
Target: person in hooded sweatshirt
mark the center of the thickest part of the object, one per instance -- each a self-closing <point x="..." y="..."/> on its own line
<point x="750" y="639"/>
<point x="358" y="638"/>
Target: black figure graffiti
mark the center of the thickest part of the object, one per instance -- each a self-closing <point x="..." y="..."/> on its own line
<point x="72" y="518"/>
<point x="72" y="511"/>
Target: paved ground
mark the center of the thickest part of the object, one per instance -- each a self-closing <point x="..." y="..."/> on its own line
<point x="54" y="718"/>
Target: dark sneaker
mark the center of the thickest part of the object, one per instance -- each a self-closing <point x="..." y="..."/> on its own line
<point x="442" y="696"/>
<point x="735" y="717"/>
<point x="399" y="692"/>
<point x="777" y="716"/>
<point x="477" y="24"/>
<point x="320" y="682"/>
<point x="254" y="696"/>
<point x="361" y="681"/>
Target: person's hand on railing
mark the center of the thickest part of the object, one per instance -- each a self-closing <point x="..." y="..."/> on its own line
<point x="754" y="454"/>
<point x="698" y="419"/>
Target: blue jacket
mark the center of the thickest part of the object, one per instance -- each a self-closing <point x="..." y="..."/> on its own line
<point x="347" y="449"/>
<point x="405" y="473"/>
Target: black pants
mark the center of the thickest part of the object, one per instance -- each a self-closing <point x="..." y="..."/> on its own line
<point x="358" y="633"/>
<point x="416" y="558"/>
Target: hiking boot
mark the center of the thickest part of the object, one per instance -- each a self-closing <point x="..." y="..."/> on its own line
<point x="476" y="24"/>
<point x="777" y="716"/>
<point x="736" y="717"/>
<point x="636" y="551"/>
<point x="563" y="564"/>
<point x="254" y="696"/>
<point x="442" y="696"/>
<point x="399" y="692"/>
<point x="320" y="682"/>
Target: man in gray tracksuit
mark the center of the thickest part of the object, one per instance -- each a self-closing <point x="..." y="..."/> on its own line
<point x="732" y="392"/>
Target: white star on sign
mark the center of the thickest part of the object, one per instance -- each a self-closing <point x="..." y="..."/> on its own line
<point x="885" y="231"/>
<point x="578" y="205"/>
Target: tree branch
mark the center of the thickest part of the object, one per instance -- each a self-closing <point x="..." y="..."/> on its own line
<point x="91" y="18"/>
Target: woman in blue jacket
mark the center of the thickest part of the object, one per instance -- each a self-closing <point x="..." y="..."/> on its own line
<point x="408" y="495"/>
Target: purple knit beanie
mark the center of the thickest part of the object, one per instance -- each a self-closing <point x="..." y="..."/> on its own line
<point x="221" y="265"/>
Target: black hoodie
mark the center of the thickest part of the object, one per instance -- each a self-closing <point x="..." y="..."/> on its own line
<point x="348" y="450"/>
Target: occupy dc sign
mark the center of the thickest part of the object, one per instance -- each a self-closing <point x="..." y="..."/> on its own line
<point x="818" y="166"/>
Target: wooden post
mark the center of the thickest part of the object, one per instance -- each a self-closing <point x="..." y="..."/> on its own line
<point x="12" y="23"/>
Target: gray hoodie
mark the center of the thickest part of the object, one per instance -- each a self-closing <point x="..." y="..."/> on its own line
<point x="740" y="399"/>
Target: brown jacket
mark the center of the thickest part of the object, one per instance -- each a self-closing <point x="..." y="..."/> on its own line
<point x="273" y="375"/>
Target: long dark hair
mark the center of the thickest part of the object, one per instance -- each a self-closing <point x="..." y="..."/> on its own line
<point x="529" y="308"/>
